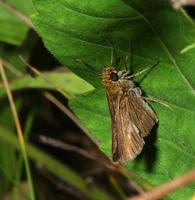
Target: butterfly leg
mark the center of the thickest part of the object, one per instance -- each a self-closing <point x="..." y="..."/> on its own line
<point x="144" y="70"/>
<point x="150" y="98"/>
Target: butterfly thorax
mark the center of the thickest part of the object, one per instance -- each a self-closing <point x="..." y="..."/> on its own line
<point x="116" y="81"/>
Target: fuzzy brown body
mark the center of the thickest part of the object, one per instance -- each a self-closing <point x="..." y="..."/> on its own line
<point x="132" y="118"/>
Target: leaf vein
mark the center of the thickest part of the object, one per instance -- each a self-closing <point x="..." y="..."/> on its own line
<point x="93" y="43"/>
<point x="100" y="17"/>
<point x="166" y="50"/>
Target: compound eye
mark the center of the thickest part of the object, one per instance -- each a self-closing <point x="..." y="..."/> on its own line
<point x="114" y="76"/>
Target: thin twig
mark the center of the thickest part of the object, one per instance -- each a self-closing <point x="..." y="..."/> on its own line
<point x="38" y="73"/>
<point x="18" y="14"/>
<point x="68" y="147"/>
<point x="18" y="130"/>
<point x="65" y="110"/>
<point x="59" y="184"/>
<point x="103" y="161"/>
<point x="163" y="190"/>
<point x="11" y="68"/>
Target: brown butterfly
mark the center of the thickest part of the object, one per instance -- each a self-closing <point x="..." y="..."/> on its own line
<point x="132" y="118"/>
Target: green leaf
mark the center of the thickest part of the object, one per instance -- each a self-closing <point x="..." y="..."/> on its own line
<point x="85" y="29"/>
<point x="67" y="82"/>
<point x="13" y="30"/>
<point x="24" y="6"/>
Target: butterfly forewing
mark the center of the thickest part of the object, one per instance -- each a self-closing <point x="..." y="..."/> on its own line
<point x="126" y="140"/>
<point x="140" y="113"/>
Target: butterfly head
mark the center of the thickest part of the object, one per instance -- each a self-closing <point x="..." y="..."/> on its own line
<point x="111" y="78"/>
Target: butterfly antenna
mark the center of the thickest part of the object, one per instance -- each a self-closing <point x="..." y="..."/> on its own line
<point x="113" y="58"/>
<point x="146" y="69"/>
<point x="129" y="56"/>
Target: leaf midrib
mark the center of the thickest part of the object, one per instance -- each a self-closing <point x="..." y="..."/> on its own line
<point x="100" y="17"/>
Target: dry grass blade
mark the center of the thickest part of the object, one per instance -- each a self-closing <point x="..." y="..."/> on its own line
<point x="21" y="16"/>
<point x="38" y="73"/>
<point x="163" y="190"/>
<point x="11" y="68"/>
<point x="12" y="105"/>
<point x="18" y="129"/>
